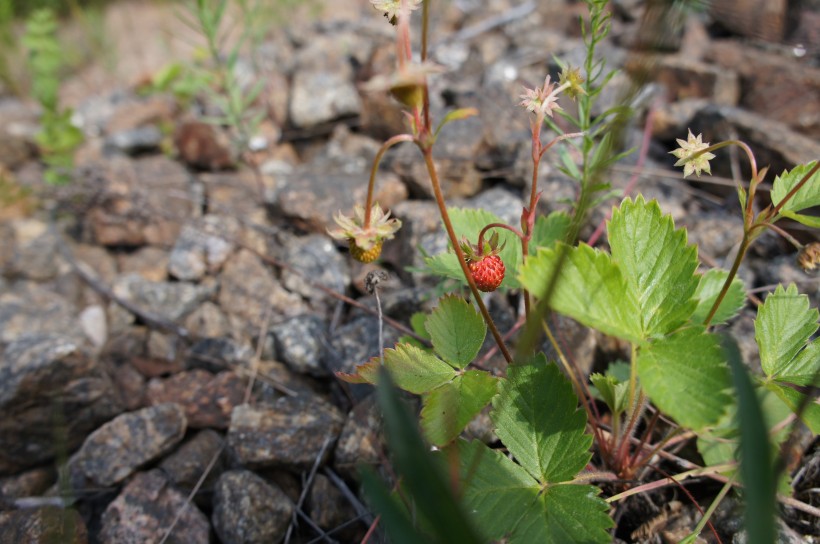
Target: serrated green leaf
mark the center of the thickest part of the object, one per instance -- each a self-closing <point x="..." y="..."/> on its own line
<point x="549" y="229"/>
<point x="468" y="222"/>
<point x="686" y="376"/>
<point x="506" y="501"/>
<point x="457" y="330"/>
<point x="536" y="416"/>
<point x="417" y="322"/>
<point x="448" y="409"/>
<point x="806" y="197"/>
<point x="411" y="368"/>
<point x="785" y="323"/>
<point x="794" y="400"/>
<point x="707" y="292"/>
<point x="590" y="289"/>
<point x="655" y="259"/>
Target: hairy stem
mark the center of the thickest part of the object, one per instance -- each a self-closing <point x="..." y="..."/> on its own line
<point x="375" y="167"/>
<point x="741" y="252"/>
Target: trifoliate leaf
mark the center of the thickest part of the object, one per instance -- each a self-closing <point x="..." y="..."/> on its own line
<point x="785" y="323"/>
<point x="506" y="501"/>
<point x="613" y="392"/>
<point x="537" y="417"/>
<point x="448" y="409"/>
<point x="549" y="229"/>
<point x="806" y="197"/>
<point x="411" y="368"/>
<point x="686" y="376"/>
<point x="457" y="331"/>
<point x="655" y="260"/>
<point x="590" y="289"/>
<point x="707" y="292"/>
<point x="467" y="222"/>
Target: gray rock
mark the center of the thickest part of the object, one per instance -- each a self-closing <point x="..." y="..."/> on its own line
<point x="714" y="233"/>
<point x="135" y="140"/>
<point x="188" y="463"/>
<point x="248" y="287"/>
<point x="170" y="300"/>
<point x="314" y="258"/>
<point x="290" y="433"/>
<point x="149" y="262"/>
<point x="421" y="233"/>
<point x="355" y="343"/>
<point x="47" y="381"/>
<point x="117" y="449"/>
<point x="207" y="399"/>
<point x="207" y="321"/>
<point x="499" y="201"/>
<point x="323" y="88"/>
<point x="144" y="511"/>
<point x="35" y="254"/>
<point x="300" y="343"/>
<point x="313" y="193"/>
<point x="202" y="247"/>
<point x="30" y="483"/>
<point x="29" y="308"/>
<point x="249" y="510"/>
<point x="43" y="524"/>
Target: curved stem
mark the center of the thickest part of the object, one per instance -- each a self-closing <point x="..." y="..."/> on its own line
<point x="497" y="226"/>
<point x="741" y="252"/>
<point x="448" y="226"/>
<point x="375" y="167"/>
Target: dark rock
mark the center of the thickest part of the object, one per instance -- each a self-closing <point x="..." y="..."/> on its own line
<point x="360" y="441"/>
<point x="43" y="524"/>
<point x="772" y="142"/>
<point x="235" y="194"/>
<point x="117" y="449"/>
<point x="170" y="300"/>
<point x="135" y="140"/>
<point x="499" y="201"/>
<point x="203" y="247"/>
<point x="356" y="342"/>
<point x="47" y="382"/>
<point x="207" y="399"/>
<point x="140" y="201"/>
<point x="783" y="269"/>
<point x="29" y="308"/>
<point x="684" y="78"/>
<point x="15" y="149"/>
<point x="217" y="354"/>
<point x="672" y="120"/>
<point x="202" y="146"/>
<point x="322" y="88"/>
<point x="328" y="506"/>
<point x="144" y="511"/>
<point x="314" y="259"/>
<point x="759" y="19"/>
<point x="300" y="343"/>
<point x="248" y="287"/>
<point x="249" y="510"/>
<point x="188" y="463"/>
<point x="290" y="433"/>
<point x="421" y="233"/>
<point x="130" y="384"/>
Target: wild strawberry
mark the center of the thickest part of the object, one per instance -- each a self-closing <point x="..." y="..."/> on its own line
<point x="485" y="265"/>
<point x="365" y="255"/>
<point x="365" y="240"/>
<point x="488" y="273"/>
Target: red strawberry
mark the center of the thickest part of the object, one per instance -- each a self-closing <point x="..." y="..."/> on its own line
<point x="488" y="272"/>
<point x="365" y="256"/>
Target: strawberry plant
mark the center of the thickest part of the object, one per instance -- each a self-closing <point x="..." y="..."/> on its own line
<point x="682" y="377"/>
